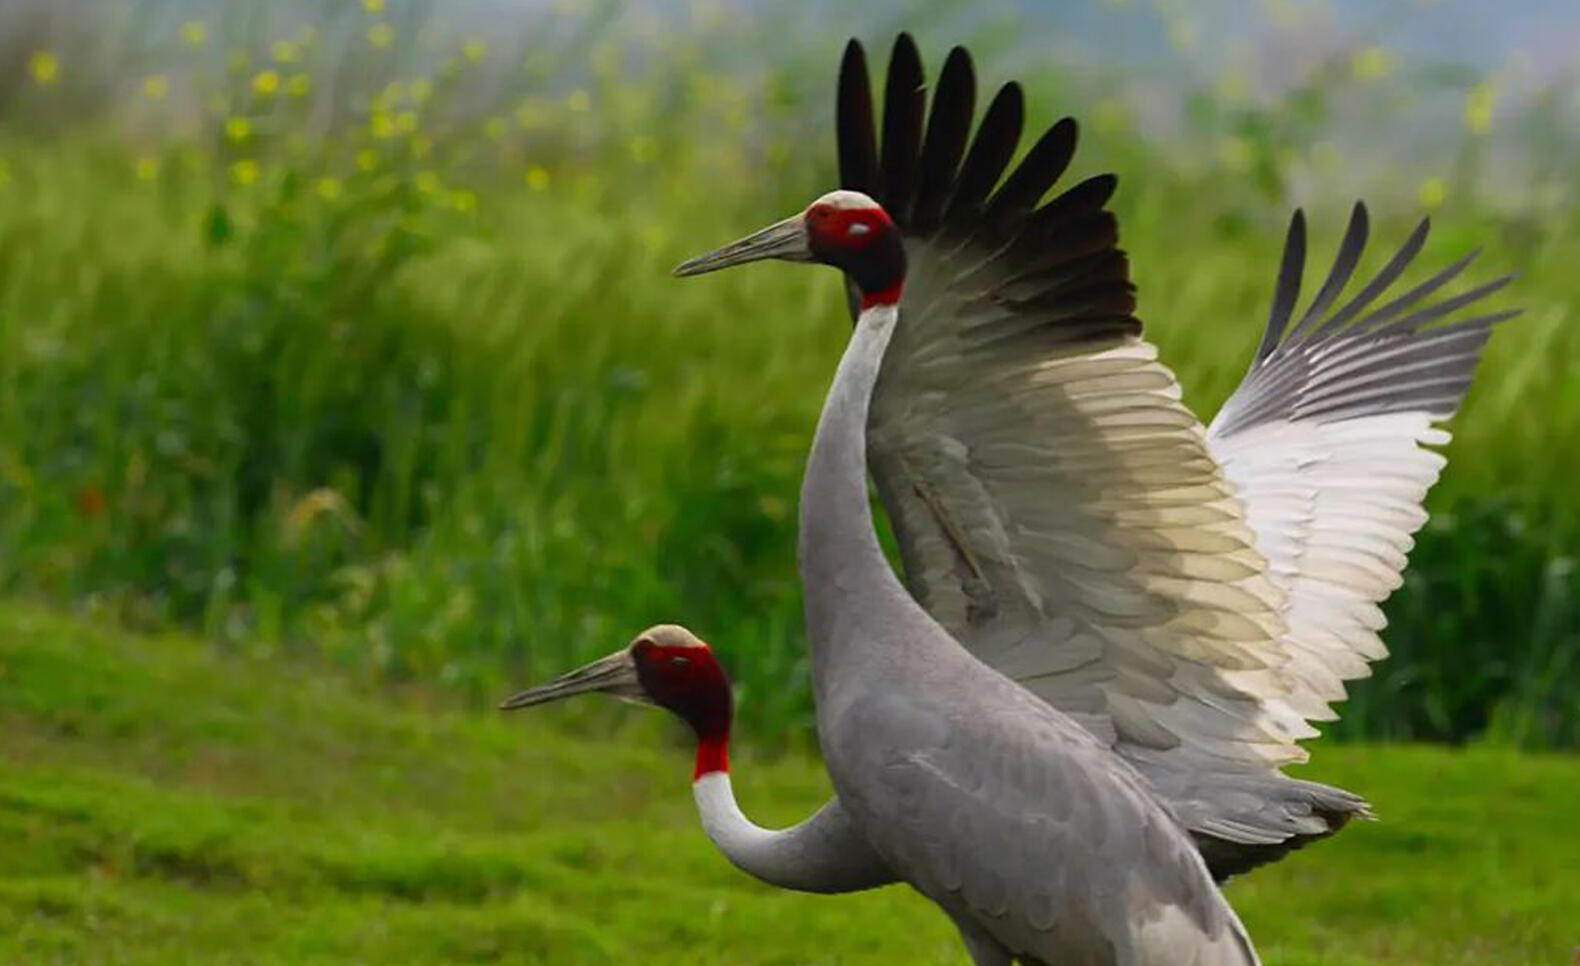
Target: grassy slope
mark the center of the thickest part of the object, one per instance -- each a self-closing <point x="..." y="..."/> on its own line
<point x="159" y="804"/>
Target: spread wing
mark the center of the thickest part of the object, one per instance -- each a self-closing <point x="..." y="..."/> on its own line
<point x="1193" y="600"/>
<point x="1326" y="441"/>
<point x="1055" y="503"/>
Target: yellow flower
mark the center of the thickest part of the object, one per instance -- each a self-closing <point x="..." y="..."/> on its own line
<point x="238" y="129"/>
<point x="373" y="6"/>
<point x="1372" y="63"/>
<point x="285" y="52"/>
<point x="300" y="85"/>
<point x="474" y="50"/>
<point x="463" y="201"/>
<point x="367" y="159"/>
<point x="537" y="177"/>
<point x="44" y="66"/>
<point x="387" y="97"/>
<point x="1182" y="36"/>
<point x="1326" y="157"/>
<point x="606" y="59"/>
<point x="421" y="90"/>
<point x="381" y="35"/>
<point x="327" y="188"/>
<point x="778" y="152"/>
<point x="244" y="172"/>
<point x="531" y="114"/>
<point x="266" y="83"/>
<point x="1233" y="85"/>
<point x="1236" y="153"/>
<point x="1112" y="114"/>
<point x="156" y="86"/>
<point x="194" y="33"/>
<point x="382" y="125"/>
<point x="494" y="129"/>
<point x="1433" y="192"/>
<point x="1478" y="108"/>
<point x="578" y="100"/>
<point x="427" y="182"/>
<point x="147" y="168"/>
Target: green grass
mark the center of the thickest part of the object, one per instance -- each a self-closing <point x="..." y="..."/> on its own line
<point x="160" y="803"/>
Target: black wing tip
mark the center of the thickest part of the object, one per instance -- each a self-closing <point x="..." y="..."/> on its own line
<point x="1286" y="289"/>
<point x="1104" y="184"/>
<point x="905" y="51"/>
<point x="1396" y="315"/>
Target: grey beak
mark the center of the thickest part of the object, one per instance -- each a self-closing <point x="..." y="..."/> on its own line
<point x="783" y="240"/>
<point x="615" y="674"/>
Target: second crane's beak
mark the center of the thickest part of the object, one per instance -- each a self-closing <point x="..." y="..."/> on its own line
<point x="784" y="240"/>
<point x="615" y="674"/>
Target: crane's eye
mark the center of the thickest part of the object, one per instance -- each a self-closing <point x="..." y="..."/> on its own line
<point x="858" y="228"/>
<point x="679" y="661"/>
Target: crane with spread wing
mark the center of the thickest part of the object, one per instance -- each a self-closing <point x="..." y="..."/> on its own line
<point x="1116" y="625"/>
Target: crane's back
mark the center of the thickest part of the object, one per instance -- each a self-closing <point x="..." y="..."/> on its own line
<point x="1006" y="812"/>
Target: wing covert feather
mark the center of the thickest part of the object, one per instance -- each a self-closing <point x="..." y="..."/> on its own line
<point x="1056" y="505"/>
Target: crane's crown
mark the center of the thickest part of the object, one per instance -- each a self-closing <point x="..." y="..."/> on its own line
<point x="669" y="635"/>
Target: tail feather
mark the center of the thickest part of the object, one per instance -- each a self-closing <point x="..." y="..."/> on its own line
<point x="1243" y="821"/>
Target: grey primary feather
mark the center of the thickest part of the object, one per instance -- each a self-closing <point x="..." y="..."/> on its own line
<point x="1068" y="520"/>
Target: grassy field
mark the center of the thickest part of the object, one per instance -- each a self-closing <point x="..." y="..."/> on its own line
<point x="163" y="804"/>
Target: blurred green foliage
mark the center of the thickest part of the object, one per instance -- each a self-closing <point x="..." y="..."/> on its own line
<point x="338" y="342"/>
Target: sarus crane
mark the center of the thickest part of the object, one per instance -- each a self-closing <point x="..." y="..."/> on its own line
<point x="1116" y="625"/>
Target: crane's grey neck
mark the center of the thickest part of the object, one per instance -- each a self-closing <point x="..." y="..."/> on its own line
<point x="842" y="563"/>
<point x="822" y="854"/>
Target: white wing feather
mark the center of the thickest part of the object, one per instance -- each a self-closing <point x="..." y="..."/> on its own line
<point x="1326" y="443"/>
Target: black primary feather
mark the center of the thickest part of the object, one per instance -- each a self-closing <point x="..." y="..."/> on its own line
<point x="1344" y="367"/>
<point x="1339" y="275"/>
<point x="858" y="145"/>
<point x="904" y="101"/>
<point x="948" y="130"/>
<point x="1291" y="268"/>
<point x="990" y="153"/>
<point x="937" y="180"/>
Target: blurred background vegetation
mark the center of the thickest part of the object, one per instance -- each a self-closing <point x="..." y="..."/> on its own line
<point x="343" y="330"/>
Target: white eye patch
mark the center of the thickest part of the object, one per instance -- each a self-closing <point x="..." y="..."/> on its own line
<point x="857" y="228"/>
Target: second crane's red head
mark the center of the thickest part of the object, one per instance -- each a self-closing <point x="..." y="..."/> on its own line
<point x="665" y="665"/>
<point x="845" y="229"/>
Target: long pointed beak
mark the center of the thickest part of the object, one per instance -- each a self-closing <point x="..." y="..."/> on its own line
<point x="615" y="674"/>
<point x="783" y="239"/>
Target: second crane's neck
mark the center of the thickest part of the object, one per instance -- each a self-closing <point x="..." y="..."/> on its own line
<point x="843" y="568"/>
